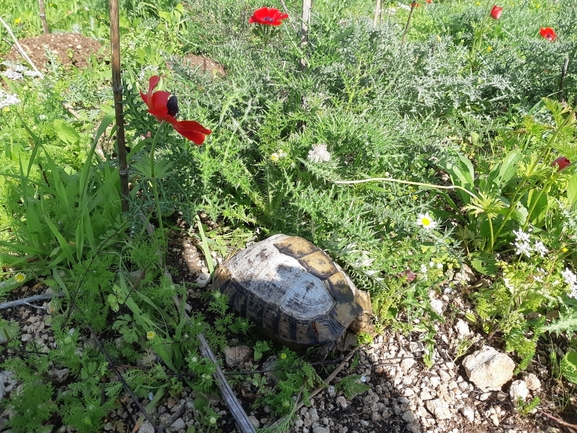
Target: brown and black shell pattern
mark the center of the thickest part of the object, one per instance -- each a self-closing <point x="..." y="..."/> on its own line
<point x="292" y="291"/>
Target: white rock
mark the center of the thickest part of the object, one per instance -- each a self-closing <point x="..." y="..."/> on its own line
<point x="489" y="369"/>
<point x="462" y="328"/>
<point x="532" y="382"/>
<point x="319" y="429"/>
<point x="202" y="280"/>
<point x="438" y="306"/>
<point x="434" y="381"/>
<point x="407" y="363"/>
<point x="426" y="395"/>
<point x="485" y="396"/>
<point x="468" y="412"/>
<point x="342" y="402"/>
<point x="518" y="391"/>
<point x="438" y="408"/>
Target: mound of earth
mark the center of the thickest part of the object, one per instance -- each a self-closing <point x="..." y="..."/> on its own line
<point x="69" y="49"/>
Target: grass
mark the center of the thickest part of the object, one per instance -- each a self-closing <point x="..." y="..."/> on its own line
<point x="464" y="101"/>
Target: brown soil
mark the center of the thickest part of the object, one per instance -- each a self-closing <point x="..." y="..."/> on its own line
<point x="70" y="49"/>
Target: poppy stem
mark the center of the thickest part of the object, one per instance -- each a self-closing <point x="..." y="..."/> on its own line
<point x="413" y="6"/>
<point x="153" y="180"/>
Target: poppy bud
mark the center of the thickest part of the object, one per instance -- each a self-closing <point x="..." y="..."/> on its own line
<point x="561" y="163"/>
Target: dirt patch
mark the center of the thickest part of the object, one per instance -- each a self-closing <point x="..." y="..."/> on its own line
<point x="69" y="49"/>
<point x="194" y="62"/>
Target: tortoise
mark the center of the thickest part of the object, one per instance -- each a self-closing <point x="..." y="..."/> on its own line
<point x="294" y="293"/>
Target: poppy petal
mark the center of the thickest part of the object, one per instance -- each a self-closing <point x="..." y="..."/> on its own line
<point x="192" y="130"/>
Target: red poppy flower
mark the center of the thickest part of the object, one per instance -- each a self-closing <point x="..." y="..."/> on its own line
<point x="165" y="107"/>
<point x="548" y="33"/>
<point x="561" y="163"/>
<point x="429" y="1"/>
<point x="496" y="12"/>
<point x="268" y="17"/>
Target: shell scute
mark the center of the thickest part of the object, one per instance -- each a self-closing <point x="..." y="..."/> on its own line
<point x="318" y="264"/>
<point x="294" y="246"/>
<point x="340" y="288"/>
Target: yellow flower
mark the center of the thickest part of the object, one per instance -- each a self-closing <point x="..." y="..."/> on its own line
<point x="426" y="221"/>
<point x="17" y="21"/>
<point x="489" y="49"/>
<point x="6" y="109"/>
<point x="564" y="250"/>
<point x="20" y="277"/>
<point x="150" y="335"/>
<point x="274" y="157"/>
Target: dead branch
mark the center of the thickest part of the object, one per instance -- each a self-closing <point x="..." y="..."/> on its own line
<point x="20" y="49"/>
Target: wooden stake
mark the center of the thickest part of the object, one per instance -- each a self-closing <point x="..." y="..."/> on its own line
<point x="117" y="90"/>
<point x="42" y="15"/>
<point x="377" y="20"/>
<point x="306" y="20"/>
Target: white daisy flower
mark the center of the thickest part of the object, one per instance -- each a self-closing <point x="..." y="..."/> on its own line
<point x="426" y="221"/>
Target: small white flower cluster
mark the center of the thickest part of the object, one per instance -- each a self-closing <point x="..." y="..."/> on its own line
<point x="17" y="72"/>
<point x="571" y="279"/>
<point x="319" y="154"/>
<point x="278" y="155"/>
<point x="523" y="245"/>
<point x="6" y="99"/>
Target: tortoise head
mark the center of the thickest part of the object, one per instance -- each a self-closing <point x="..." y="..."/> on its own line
<point x="363" y="322"/>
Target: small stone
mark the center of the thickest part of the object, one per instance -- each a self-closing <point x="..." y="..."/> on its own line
<point x="178" y="424"/>
<point x="146" y="427"/>
<point x="408" y="392"/>
<point x="409" y="416"/>
<point x="532" y="382"/>
<point x="485" y="396"/>
<point x="413" y="427"/>
<point x="462" y="328"/>
<point x="202" y="280"/>
<point x="237" y="356"/>
<point x="319" y="429"/>
<point x="518" y="391"/>
<point x="426" y="395"/>
<point x="342" y="402"/>
<point x="438" y="408"/>
<point x="437" y="306"/>
<point x="254" y="421"/>
<point x="435" y="381"/>
<point x="311" y="416"/>
<point x="492" y="415"/>
<point x="407" y="363"/>
<point x="465" y="275"/>
<point x="468" y="412"/>
<point x="489" y="369"/>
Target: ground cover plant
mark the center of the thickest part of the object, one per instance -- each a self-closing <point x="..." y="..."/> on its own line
<point x="406" y="143"/>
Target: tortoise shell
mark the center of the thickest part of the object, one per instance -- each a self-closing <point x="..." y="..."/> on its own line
<point x="293" y="291"/>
